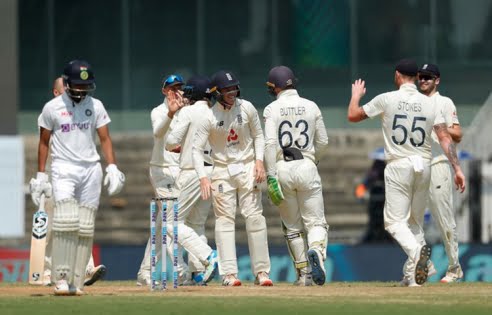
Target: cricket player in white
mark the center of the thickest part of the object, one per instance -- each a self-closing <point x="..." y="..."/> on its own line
<point x="92" y="273"/>
<point x="193" y="210"/>
<point x="295" y="137"/>
<point x="71" y="121"/>
<point x="234" y="131"/>
<point x="408" y="118"/>
<point x="441" y="198"/>
<point x="163" y="172"/>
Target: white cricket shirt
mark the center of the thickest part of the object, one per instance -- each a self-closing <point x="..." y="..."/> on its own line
<point x="184" y="128"/>
<point x="235" y="136"/>
<point x="293" y="121"/>
<point x="161" y="126"/>
<point x="407" y="119"/>
<point x="73" y="128"/>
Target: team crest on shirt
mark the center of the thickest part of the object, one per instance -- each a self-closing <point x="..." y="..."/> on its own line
<point x="240" y="119"/>
<point x="221" y="188"/>
<point x="88" y="112"/>
<point x="232" y="138"/>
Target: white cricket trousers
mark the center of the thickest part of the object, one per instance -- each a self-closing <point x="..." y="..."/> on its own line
<point x="406" y="197"/>
<point x="192" y="215"/>
<point x="441" y="206"/>
<point x="81" y="182"/>
<point x="303" y="208"/>
<point x="228" y="191"/>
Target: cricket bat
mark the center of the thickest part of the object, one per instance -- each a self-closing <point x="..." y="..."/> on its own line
<point x="38" y="244"/>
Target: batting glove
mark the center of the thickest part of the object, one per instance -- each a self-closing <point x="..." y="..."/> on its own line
<point x="39" y="185"/>
<point x="114" y="179"/>
<point x="274" y="190"/>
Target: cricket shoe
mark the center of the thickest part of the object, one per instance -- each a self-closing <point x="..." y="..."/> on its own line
<point x="422" y="268"/>
<point x="213" y="263"/>
<point x="231" y="281"/>
<point x="453" y="274"/>
<point x="262" y="279"/>
<point x="94" y="274"/>
<point x="144" y="281"/>
<point x="432" y="269"/>
<point x="317" y="266"/>
<point x="197" y="278"/>
<point x="304" y="280"/>
<point x="62" y="288"/>
<point x="408" y="282"/>
<point x="47" y="279"/>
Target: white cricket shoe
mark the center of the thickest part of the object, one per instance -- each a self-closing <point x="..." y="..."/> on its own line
<point x="143" y="280"/>
<point x="432" y="269"/>
<point x="304" y="280"/>
<point x="421" y="267"/>
<point x="262" y="279"/>
<point x="408" y="282"/>
<point x="213" y="263"/>
<point x="62" y="288"/>
<point x="454" y="274"/>
<point x="94" y="274"/>
<point x="408" y="279"/>
<point x="317" y="266"/>
<point x="47" y="279"/>
<point x="231" y="281"/>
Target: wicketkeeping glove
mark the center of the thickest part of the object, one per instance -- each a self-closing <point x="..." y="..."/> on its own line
<point x="114" y="179"/>
<point x="274" y="190"/>
<point x="39" y="185"/>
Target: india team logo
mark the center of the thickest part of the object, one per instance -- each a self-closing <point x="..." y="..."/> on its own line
<point x="84" y="75"/>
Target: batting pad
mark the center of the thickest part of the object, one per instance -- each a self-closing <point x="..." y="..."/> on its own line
<point x="297" y="246"/>
<point x="225" y="238"/>
<point x="65" y="237"/>
<point x="318" y="238"/>
<point x="258" y="243"/>
<point x="87" y="218"/>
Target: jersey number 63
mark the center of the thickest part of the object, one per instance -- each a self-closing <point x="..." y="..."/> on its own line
<point x="285" y="138"/>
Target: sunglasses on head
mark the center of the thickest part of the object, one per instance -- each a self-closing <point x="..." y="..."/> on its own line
<point x="426" y="77"/>
<point x="173" y="79"/>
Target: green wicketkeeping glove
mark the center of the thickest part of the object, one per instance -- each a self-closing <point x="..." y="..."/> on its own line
<point x="274" y="190"/>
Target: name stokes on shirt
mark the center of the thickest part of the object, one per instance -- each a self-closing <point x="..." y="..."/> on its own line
<point x="409" y="107"/>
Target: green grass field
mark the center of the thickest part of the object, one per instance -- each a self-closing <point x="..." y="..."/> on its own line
<point x="334" y="298"/>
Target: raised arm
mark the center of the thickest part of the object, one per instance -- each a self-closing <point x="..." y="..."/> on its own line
<point x="161" y="120"/>
<point x="178" y="132"/>
<point x="355" y="112"/>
